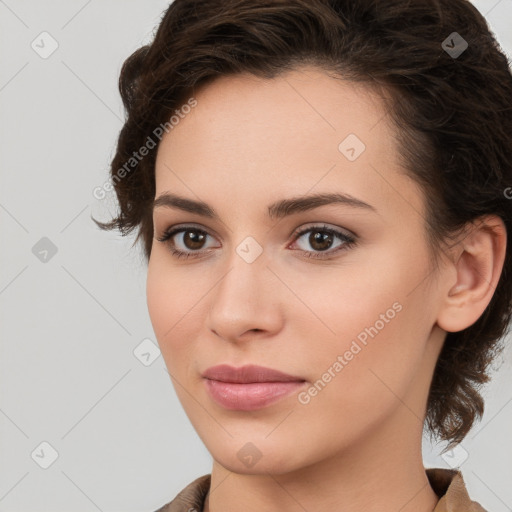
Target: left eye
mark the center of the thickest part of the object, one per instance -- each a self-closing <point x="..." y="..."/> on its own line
<point x="321" y="239"/>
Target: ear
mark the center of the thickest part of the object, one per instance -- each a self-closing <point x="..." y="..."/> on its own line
<point x="473" y="274"/>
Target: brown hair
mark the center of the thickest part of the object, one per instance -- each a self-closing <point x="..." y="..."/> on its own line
<point x="452" y="113"/>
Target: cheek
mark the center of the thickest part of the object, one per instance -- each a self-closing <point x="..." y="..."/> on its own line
<point x="338" y="304"/>
<point x="174" y="307"/>
<point x="359" y="380"/>
<point x="366" y="329"/>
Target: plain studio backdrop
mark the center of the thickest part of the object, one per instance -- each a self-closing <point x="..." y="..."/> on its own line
<point x="89" y="419"/>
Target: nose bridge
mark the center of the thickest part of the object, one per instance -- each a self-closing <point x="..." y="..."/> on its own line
<point x="244" y="299"/>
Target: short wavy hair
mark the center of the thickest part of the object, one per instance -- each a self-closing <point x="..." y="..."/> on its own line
<point x="452" y="112"/>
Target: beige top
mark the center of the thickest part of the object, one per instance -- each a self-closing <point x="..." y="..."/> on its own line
<point x="448" y="484"/>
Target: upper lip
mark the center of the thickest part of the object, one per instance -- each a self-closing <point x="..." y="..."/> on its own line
<point x="247" y="374"/>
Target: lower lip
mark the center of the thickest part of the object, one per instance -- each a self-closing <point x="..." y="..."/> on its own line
<point x="251" y="396"/>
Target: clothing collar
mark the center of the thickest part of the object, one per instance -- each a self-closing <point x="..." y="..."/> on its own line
<point x="448" y="484"/>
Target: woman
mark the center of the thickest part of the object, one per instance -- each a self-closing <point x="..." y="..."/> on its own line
<point x="321" y="191"/>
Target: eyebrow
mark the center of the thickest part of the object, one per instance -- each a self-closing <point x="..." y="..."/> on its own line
<point x="278" y="209"/>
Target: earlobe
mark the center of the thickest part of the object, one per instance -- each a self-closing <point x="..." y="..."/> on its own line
<point x="478" y="268"/>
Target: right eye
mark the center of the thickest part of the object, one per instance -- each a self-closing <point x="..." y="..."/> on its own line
<point x="188" y="244"/>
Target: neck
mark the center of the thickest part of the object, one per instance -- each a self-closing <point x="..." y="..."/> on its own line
<point x="385" y="473"/>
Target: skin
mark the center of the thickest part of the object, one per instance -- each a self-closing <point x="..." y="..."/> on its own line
<point x="357" y="444"/>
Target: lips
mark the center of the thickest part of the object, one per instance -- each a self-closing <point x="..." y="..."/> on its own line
<point x="248" y="374"/>
<point x="249" y="387"/>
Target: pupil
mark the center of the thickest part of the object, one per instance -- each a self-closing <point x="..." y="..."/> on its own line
<point x="318" y="237"/>
<point x="191" y="237"/>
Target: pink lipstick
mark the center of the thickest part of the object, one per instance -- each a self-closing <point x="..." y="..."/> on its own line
<point x="249" y="387"/>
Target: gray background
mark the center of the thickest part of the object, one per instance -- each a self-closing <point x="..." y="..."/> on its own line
<point x="70" y="324"/>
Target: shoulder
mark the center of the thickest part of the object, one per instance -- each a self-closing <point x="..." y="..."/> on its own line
<point x="449" y="485"/>
<point x="191" y="498"/>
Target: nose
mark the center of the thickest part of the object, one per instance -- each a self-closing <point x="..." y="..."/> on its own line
<point x="245" y="301"/>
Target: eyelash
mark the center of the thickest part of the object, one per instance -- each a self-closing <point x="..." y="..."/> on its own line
<point x="348" y="241"/>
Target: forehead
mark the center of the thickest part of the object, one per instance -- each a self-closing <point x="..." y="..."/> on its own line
<point x="250" y="137"/>
<point x="303" y="103"/>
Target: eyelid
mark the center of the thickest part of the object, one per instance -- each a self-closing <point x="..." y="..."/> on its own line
<point x="295" y="232"/>
<point x="347" y="238"/>
<point x="321" y="225"/>
<point x="184" y="226"/>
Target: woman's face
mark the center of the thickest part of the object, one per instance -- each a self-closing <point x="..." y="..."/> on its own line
<point x="348" y="305"/>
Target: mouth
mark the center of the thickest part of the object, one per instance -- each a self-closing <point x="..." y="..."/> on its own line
<point x="248" y="374"/>
<point x="250" y="387"/>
